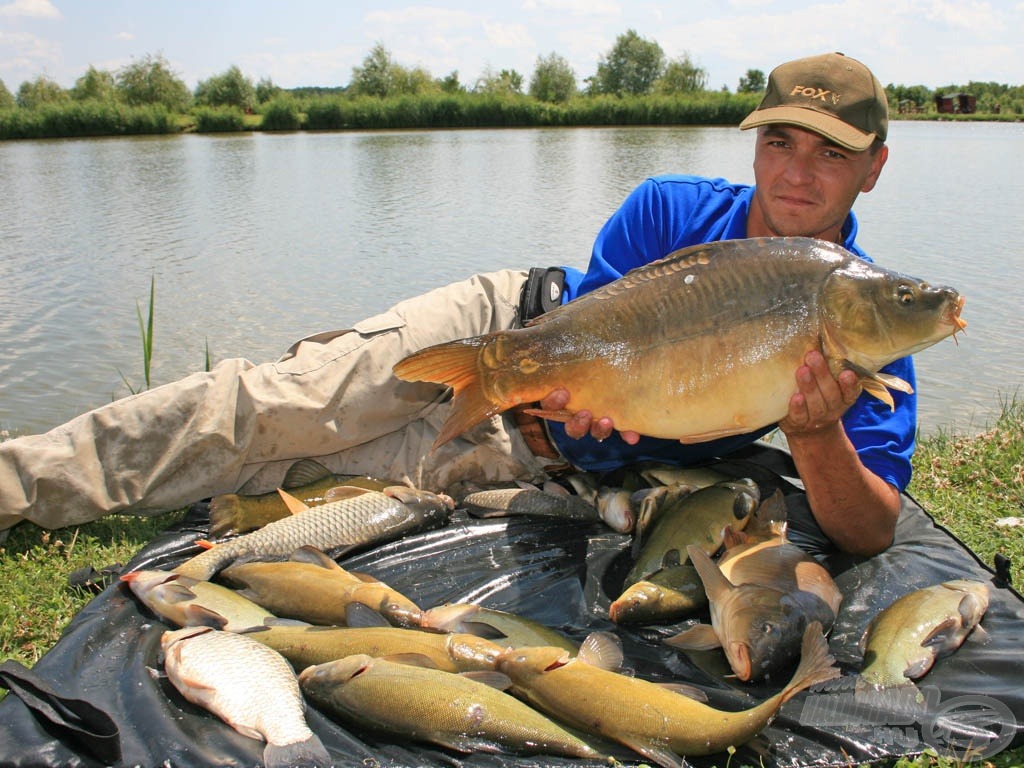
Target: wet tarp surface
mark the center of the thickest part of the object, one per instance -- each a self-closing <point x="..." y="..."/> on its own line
<point x="98" y="698"/>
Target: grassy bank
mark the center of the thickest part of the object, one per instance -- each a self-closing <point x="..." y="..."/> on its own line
<point x="969" y="482"/>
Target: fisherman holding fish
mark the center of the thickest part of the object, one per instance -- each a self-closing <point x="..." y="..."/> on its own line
<point x="820" y="132"/>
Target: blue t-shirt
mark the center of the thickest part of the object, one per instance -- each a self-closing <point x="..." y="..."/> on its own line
<point x="670" y="212"/>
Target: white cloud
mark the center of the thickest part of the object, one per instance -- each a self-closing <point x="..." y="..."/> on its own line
<point x="35" y="9"/>
<point x="580" y="7"/>
<point x="126" y="36"/>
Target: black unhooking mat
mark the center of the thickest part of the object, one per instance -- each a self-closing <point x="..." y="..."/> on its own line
<point x="97" y="699"/>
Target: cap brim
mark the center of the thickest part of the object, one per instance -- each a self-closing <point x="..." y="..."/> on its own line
<point x="830" y="127"/>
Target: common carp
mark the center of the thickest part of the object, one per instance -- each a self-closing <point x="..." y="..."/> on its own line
<point x="248" y="686"/>
<point x="902" y="642"/>
<point x="656" y="722"/>
<point x="370" y="517"/>
<point x="701" y="344"/>
<point x="307" y="480"/>
<point x="311" y="587"/>
<point x="189" y="602"/>
<point x="456" y="711"/>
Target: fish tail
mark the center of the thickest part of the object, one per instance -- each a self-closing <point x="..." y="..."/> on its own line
<point x="816" y="663"/>
<point x="225" y="510"/>
<point x="310" y="752"/>
<point x="457" y="365"/>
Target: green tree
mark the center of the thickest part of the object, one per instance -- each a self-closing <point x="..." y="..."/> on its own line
<point x="266" y="90"/>
<point x="150" y="81"/>
<point x="553" y="79"/>
<point x="450" y="83"/>
<point x="95" y="84"/>
<point x="506" y="81"/>
<point x="228" y="89"/>
<point x="6" y="97"/>
<point x="682" y="76"/>
<point x="631" y="67"/>
<point x="374" y="77"/>
<point x="42" y="90"/>
<point x="752" y="82"/>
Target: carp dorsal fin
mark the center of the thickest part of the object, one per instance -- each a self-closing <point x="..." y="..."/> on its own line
<point x="295" y="506"/>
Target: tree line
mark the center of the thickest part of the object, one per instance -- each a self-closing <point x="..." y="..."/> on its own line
<point x="147" y="95"/>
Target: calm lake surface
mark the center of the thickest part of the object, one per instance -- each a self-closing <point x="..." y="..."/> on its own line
<point x="258" y="240"/>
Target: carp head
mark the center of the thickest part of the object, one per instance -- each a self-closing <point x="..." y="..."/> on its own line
<point x="872" y="316"/>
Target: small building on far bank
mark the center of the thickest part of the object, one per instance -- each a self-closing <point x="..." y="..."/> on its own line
<point x="955" y="103"/>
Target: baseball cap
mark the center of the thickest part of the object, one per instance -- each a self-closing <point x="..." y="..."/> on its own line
<point x="831" y="94"/>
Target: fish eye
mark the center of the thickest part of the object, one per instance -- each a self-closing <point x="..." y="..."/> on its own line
<point x="767" y="628"/>
<point x="905" y="293"/>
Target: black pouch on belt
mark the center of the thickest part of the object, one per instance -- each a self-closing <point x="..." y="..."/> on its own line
<point x="542" y="292"/>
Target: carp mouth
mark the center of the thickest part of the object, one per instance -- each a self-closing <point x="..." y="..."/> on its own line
<point x="959" y="324"/>
<point x="740" y="658"/>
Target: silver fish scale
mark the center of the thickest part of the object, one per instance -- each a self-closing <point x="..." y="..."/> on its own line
<point x="350" y="522"/>
<point x="220" y="671"/>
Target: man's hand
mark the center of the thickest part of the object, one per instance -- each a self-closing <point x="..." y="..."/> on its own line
<point x="583" y="422"/>
<point x="822" y="398"/>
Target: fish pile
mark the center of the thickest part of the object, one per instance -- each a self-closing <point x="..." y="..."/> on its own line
<point x="471" y="678"/>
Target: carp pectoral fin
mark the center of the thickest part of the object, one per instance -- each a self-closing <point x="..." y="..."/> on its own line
<point x="362" y="615"/>
<point x="602" y="650"/>
<point x="294" y="505"/>
<point x="489" y="677"/>
<point x="879" y="384"/>
<point x="562" y="415"/>
<point x="198" y="616"/>
<point x="683" y="689"/>
<point x="663" y="756"/>
<point x="942" y="636"/>
<point x="701" y="637"/>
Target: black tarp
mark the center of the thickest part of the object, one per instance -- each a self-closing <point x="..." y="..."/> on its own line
<point x="96" y="698"/>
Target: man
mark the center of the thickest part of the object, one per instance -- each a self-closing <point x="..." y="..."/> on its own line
<point x="820" y="133"/>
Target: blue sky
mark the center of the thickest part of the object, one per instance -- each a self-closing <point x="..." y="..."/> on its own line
<point x="318" y="42"/>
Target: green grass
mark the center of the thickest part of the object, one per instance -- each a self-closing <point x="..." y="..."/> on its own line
<point x="967" y="482"/>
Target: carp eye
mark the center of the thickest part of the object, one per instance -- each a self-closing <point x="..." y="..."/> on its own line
<point x="767" y="628"/>
<point x="905" y="294"/>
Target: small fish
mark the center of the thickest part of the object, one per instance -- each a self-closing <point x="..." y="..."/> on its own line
<point x="340" y="526"/>
<point x="699" y="518"/>
<point x="305" y="646"/>
<point x="658" y="722"/>
<point x="760" y="627"/>
<point x="504" y="502"/>
<point x="189" y="602"/>
<point x="248" y="686"/>
<point x="461" y="712"/>
<point x="307" y="480"/>
<point x="313" y="588"/>
<point x="503" y="628"/>
<point x="663" y="597"/>
<point x="902" y="642"/>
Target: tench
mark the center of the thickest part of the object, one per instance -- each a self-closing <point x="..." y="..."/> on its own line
<point x="505" y="629"/>
<point x="902" y="642"/>
<point x="662" y="597"/>
<point x="456" y="711"/>
<point x="248" y="686"/>
<point x="307" y="480"/>
<point x="655" y="721"/>
<point x="339" y="526"/>
<point x="188" y="602"/>
<point x="701" y="344"/>
<point x="311" y="587"/>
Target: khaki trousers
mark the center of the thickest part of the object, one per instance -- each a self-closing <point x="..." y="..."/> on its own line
<point x="240" y="426"/>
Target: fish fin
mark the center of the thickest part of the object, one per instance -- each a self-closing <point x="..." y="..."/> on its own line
<point x="562" y="415"/>
<point x="978" y="635"/>
<point x="304" y="472"/>
<point x="225" y="512"/>
<point x="733" y="538"/>
<point x="816" y="663"/>
<point x="342" y="492"/>
<point x="602" y="650"/>
<point x="715" y="584"/>
<point x="879" y="384"/>
<point x="411" y="660"/>
<point x="919" y="667"/>
<point x="684" y="689"/>
<point x="362" y="615"/>
<point x="878" y="390"/>
<point x="173" y="592"/>
<point x="204" y="543"/>
<point x="700" y="637"/>
<point x="199" y="616"/>
<point x="663" y="756"/>
<point x="295" y="506"/>
<point x="310" y="555"/>
<point x="482" y="629"/>
<point x="454" y="364"/>
<point x="942" y="636"/>
<point x="489" y="677"/>
<point x="308" y="753"/>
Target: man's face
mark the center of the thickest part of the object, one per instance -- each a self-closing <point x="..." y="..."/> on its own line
<point x="806" y="184"/>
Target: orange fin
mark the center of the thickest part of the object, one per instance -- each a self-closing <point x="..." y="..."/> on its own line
<point x="204" y="543"/>
<point x="455" y="364"/>
<point x="562" y="415"/>
<point x="295" y="506"/>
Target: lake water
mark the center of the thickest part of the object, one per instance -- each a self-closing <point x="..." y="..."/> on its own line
<point x="258" y="240"/>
